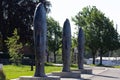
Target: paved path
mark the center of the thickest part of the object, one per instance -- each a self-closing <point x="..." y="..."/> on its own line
<point x="99" y="73"/>
<point x="109" y="74"/>
<point x="69" y="79"/>
<point x="95" y="70"/>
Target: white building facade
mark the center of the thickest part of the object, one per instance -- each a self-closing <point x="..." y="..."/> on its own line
<point x="107" y="61"/>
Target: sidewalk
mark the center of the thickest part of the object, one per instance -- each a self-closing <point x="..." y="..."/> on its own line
<point x="95" y="71"/>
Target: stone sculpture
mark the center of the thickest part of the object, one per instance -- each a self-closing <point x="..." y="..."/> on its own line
<point x="40" y="31"/>
<point x="81" y="41"/>
<point x="66" y="46"/>
<point x="1" y="66"/>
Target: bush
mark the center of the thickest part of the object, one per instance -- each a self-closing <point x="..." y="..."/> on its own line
<point x="14" y="47"/>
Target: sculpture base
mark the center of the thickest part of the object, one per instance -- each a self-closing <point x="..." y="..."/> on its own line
<point x="67" y="74"/>
<point x="38" y="78"/>
<point x="86" y="71"/>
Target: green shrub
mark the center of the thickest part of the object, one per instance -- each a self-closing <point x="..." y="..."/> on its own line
<point x="14" y="47"/>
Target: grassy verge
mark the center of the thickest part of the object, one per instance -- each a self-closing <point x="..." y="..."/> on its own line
<point x="105" y="66"/>
<point x="116" y="66"/>
<point x="12" y="71"/>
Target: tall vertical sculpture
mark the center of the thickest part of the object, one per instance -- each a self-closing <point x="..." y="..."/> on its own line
<point x="66" y="46"/>
<point x="81" y="42"/>
<point x="40" y="31"/>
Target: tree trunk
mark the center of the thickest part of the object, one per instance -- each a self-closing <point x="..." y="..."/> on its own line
<point x="54" y="57"/>
<point x="4" y="46"/>
<point x="31" y="67"/>
<point x="32" y="63"/>
<point x="48" y="56"/>
<point x="101" y="54"/>
<point x="93" y="55"/>
<point x="93" y="58"/>
<point x="72" y="56"/>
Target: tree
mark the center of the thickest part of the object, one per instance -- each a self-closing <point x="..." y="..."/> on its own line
<point x="0" y="42"/>
<point x="11" y="16"/>
<point x="18" y="14"/>
<point x="96" y="27"/>
<point x="108" y="37"/>
<point x="54" y="35"/>
<point x="14" y="47"/>
<point x="85" y="20"/>
<point x="74" y="50"/>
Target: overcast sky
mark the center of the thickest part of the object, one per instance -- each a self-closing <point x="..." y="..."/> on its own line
<point x="62" y="9"/>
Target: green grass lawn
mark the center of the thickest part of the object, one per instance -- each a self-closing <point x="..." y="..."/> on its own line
<point x="116" y="66"/>
<point x="105" y="66"/>
<point x="12" y="71"/>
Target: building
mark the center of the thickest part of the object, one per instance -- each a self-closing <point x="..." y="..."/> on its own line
<point x="107" y="61"/>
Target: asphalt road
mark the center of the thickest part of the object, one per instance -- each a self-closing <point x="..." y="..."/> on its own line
<point x="109" y="74"/>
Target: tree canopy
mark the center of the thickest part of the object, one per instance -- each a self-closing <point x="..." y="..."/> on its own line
<point x="18" y="14"/>
<point x="54" y="35"/>
<point x="99" y="31"/>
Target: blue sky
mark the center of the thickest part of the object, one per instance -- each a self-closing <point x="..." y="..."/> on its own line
<point x="62" y="9"/>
